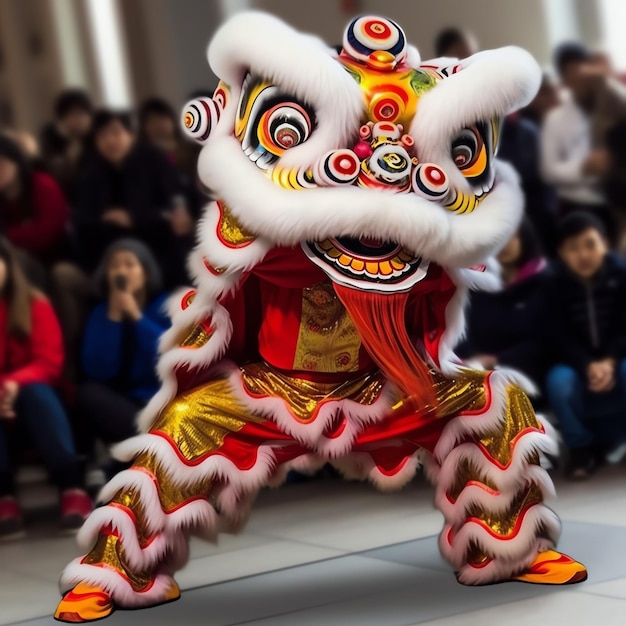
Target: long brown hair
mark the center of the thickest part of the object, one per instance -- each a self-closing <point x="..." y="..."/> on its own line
<point x="18" y="293"/>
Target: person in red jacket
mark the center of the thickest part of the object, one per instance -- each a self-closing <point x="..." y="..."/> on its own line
<point x="31" y="359"/>
<point x="33" y="211"/>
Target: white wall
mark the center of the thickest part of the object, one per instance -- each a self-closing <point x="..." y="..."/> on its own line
<point x="494" y="22"/>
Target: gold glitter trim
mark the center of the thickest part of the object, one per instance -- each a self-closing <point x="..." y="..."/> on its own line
<point x="504" y="523"/>
<point x="518" y="415"/>
<point x="172" y="495"/>
<point x="303" y="397"/>
<point x="198" y="420"/>
<point x="230" y="230"/>
<point x="197" y="338"/>
<point x="109" y="551"/>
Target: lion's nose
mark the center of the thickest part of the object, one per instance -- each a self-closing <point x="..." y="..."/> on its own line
<point x="390" y="162"/>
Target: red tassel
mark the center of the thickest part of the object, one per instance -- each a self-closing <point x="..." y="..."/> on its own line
<point x="381" y="323"/>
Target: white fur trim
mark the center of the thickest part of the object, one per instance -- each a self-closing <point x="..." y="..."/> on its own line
<point x="510" y="556"/>
<point x="508" y="481"/>
<point x="220" y="256"/>
<point x="197" y="516"/>
<point x="311" y="433"/>
<point x="302" y="65"/>
<point x="479" y="424"/>
<point x="489" y="84"/>
<point x="361" y="466"/>
<point x="427" y="229"/>
<point x="199" y="358"/>
<point x="237" y="482"/>
<point x="117" y="587"/>
<point x="487" y="279"/>
<point x="138" y="558"/>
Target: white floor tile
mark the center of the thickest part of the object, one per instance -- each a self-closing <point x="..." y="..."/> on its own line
<point x="40" y="559"/>
<point x="270" y="556"/>
<point x="570" y="608"/>
<point x="25" y="597"/>
<point x="611" y="588"/>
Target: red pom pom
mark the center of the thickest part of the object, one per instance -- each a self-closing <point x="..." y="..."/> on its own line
<point x="363" y="150"/>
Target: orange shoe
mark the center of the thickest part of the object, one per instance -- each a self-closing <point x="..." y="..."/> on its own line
<point x="553" y="568"/>
<point x="84" y="603"/>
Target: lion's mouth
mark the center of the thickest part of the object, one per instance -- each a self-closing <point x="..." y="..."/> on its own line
<point x="367" y="263"/>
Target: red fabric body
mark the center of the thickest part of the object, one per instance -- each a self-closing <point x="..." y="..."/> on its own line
<point x="390" y="443"/>
<point x="266" y="309"/>
<point x="37" y="358"/>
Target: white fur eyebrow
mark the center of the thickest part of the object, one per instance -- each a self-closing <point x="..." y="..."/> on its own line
<point x="299" y="64"/>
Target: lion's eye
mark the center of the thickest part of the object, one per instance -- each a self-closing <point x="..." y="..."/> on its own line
<point x="466" y="148"/>
<point x="269" y="121"/>
<point x="284" y="126"/>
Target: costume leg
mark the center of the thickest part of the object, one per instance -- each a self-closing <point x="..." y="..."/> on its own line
<point x="204" y="458"/>
<point x="491" y="488"/>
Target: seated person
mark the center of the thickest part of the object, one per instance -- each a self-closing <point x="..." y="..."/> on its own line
<point x="120" y="344"/>
<point x="65" y="141"/>
<point x="585" y="309"/>
<point x="503" y="328"/>
<point x="31" y="358"/>
<point x="33" y="211"/>
<point x="129" y="189"/>
<point x="159" y="126"/>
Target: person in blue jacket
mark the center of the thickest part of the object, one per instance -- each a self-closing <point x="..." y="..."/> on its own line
<point x="119" y="350"/>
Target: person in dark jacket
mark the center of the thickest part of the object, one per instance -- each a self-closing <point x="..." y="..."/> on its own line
<point x="159" y="126"/>
<point x="585" y="304"/>
<point x="519" y="145"/>
<point x="503" y="328"/>
<point x="129" y="189"/>
<point x="65" y="141"/>
<point x="119" y="349"/>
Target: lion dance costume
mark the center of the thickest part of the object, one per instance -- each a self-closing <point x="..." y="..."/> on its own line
<point x="359" y="199"/>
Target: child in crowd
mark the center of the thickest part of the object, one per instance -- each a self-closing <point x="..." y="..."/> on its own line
<point x="503" y="328"/>
<point x="585" y="305"/>
<point x="31" y="358"/>
<point x="120" y="344"/>
<point x="33" y="211"/>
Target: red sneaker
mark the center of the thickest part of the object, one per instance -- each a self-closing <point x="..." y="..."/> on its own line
<point x="11" y="526"/>
<point x="76" y="505"/>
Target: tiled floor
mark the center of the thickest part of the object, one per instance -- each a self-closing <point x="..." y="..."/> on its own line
<point x="341" y="554"/>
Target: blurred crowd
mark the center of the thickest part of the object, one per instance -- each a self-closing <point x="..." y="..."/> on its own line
<point x="98" y="215"/>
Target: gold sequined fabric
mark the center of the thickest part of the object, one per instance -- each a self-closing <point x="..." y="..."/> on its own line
<point x="196" y="337"/>
<point x="304" y="396"/>
<point x="197" y="421"/>
<point x="328" y="340"/>
<point x="109" y="552"/>
<point x="171" y="494"/>
<point x="230" y="230"/>
<point x="465" y="392"/>
<point x="504" y="523"/>
<point x="518" y="415"/>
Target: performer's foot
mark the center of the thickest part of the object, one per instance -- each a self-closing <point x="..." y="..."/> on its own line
<point x="553" y="568"/>
<point x="84" y="603"/>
